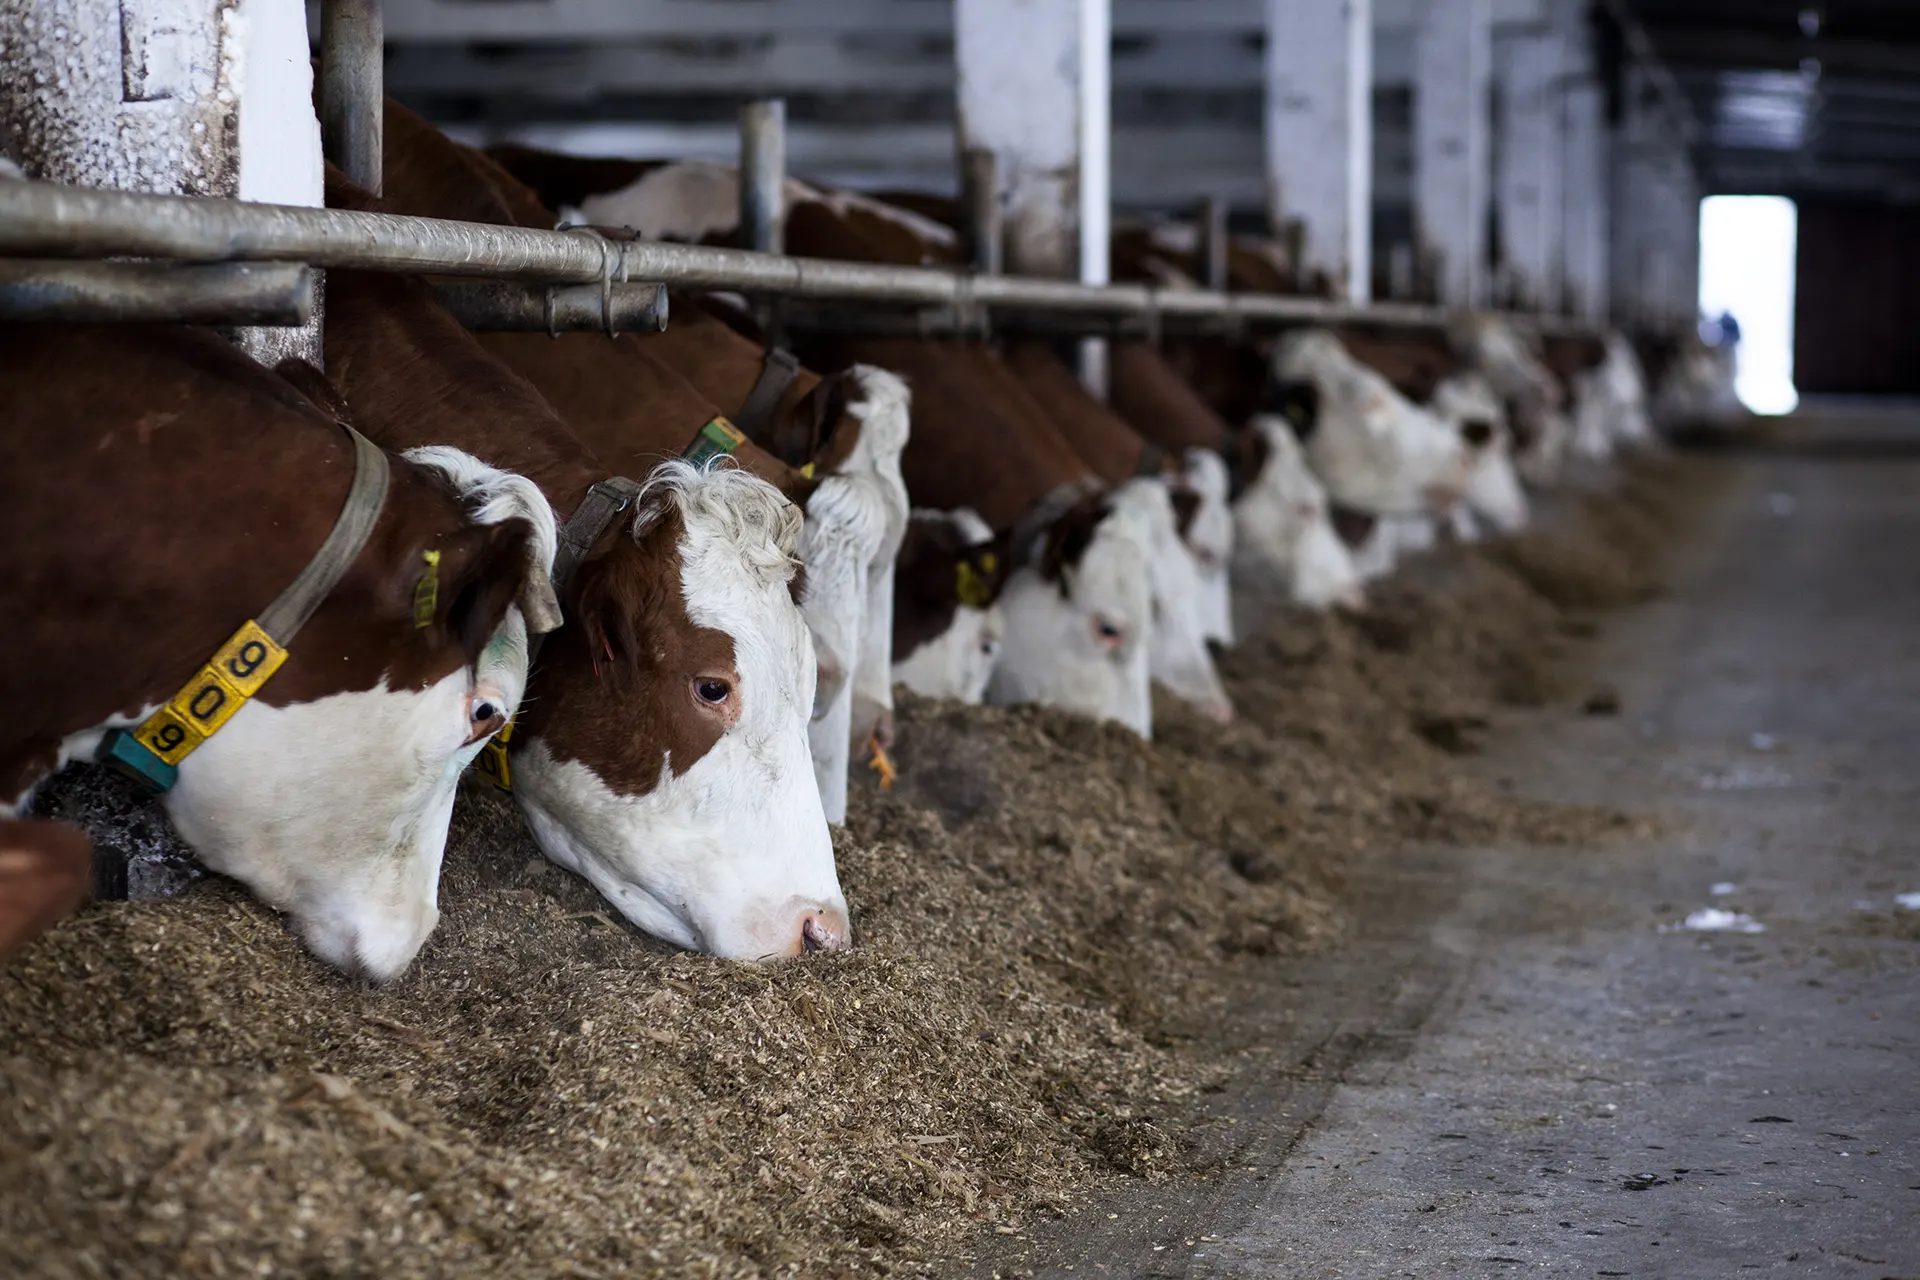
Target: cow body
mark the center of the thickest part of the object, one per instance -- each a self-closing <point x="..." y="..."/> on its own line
<point x="328" y="793"/>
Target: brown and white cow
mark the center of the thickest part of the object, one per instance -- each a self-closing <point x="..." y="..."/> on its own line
<point x="948" y="627"/>
<point x="329" y="791"/>
<point x="1177" y="653"/>
<point x="847" y="432"/>
<point x="663" y="752"/>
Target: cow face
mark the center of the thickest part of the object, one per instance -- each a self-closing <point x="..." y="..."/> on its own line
<point x="1078" y="619"/>
<point x="1372" y="448"/>
<point x="1208" y="535"/>
<point x="1283" y="525"/>
<point x="856" y="519"/>
<point x="666" y="756"/>
<point x="1468" y="402"/>
<point x="335" y="809"/>
<point x="1177" y="654"/>
<point x="948" y="625"/>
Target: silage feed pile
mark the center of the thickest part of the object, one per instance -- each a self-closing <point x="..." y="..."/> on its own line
<point x="1046" y="908"/>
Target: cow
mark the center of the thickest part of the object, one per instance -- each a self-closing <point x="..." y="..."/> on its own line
<point x="45" y="872"/>
<point x="1177" y="654"/>
<point x="847" y="432"/>
<point x="663" y="754"/>
<point x="1534" y="400"/>
<point x="948" y="627"/>
<point x="316" y="761"/>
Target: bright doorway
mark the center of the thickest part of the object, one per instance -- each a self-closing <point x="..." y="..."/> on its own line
<point x="1747" y="252"/>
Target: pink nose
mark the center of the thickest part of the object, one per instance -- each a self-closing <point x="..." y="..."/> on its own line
<point x="1220" y="713"/>
<point x="825" y="929"/>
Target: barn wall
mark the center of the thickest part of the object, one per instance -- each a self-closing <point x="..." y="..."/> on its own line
<point x="1856" y="319"/>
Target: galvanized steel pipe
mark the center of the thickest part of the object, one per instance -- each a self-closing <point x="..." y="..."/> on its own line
<point x="49" y="219"/>
<point x="352" y="87"/>
<point x="503" y="306"/>
<point x="232" y="293"/>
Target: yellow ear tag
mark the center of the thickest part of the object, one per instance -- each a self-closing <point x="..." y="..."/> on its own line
<point x="969" y="586"/>
<point x="807" y="471"/>
<point x="1297" y="414"/>
<point x="426" y="592"/>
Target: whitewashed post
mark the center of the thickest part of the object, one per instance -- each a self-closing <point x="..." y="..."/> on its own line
<point x="187" y="97"/>
<point x="1319" y="135"/>
<point x="1584" y="202"/>
<point x="1032" y="80"/>
<point x="1527" y="172"/>
<point x="1656" y="216"/>
<point x="1452" y="100"/>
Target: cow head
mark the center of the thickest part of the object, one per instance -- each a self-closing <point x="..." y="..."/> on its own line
<point x="1208" y="533"/>
<point x="1283" y="523"/>
<point x="1078" y="615"/>
<point x="1469" y="403"/>
<point x="1372" y="448"/>
<point x="664" y="752"/>
<point x="948" y="627"/>
<point x="335" y="808"/>
<point x="856" y="518"/>
<point x="1177" y="653"/>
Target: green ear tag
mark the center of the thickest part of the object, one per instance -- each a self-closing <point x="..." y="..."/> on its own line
<point x="719" y="438"/>
<point x="426" y="592"/>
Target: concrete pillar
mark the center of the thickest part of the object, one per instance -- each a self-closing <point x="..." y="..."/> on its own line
<point x="1584" y="201"/>
<point x="1319" y="135"/>
<point x="1527" y="166"/>
<point x="1453" y="67"/>
<point x="186" y="97"/>
<point x="1034" y="89"/>
<point x="1656" y="214"/>
<point x="1032" y="84"/>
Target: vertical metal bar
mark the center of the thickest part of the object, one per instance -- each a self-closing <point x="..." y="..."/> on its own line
<point x="352" y="87"/>
<point x="763" y="175"/>
<point x="980" y="188"/>
<point x="1210" y="250"/>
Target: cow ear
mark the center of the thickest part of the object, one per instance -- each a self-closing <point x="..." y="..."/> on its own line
<point x="314" y="387"/>
<point x="1186" y="505"/>
<point x="1068" y="537"/>
<point x="463" y="583"/>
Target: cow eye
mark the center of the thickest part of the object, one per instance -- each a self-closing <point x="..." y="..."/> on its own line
<point x="711" y="690"/>
<point x="1108" y="633"/>
<point x="485" y="717"/>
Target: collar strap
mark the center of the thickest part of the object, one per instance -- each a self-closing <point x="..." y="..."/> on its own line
<point x="605" y="499"/>
<point x="151" y="753"/>
<point x="777" y="372"/>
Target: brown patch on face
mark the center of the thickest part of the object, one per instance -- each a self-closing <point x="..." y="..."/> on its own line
<point x="623" y="687"/>
<point x="928" y="575"/>
<point x="1246" y="460"/>
<point x="1186" y="505"/>
<point x="1068" y="538"/>
<point x="1352" y="525"/>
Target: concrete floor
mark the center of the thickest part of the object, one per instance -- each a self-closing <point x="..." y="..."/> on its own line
<point x="1519" y="1065"/>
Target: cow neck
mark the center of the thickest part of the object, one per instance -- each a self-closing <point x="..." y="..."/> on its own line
<point x="630" y="409"/>
<point x="1158" y="403"/>
<point x="978" y="441"/>
<point x="767" y="392"/>
<point x="151" y="752"/>
<point x="1112" y="449"/>
<point x="415" y="377"/>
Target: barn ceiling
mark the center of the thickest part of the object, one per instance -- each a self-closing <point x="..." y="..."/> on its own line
<point x="1801" y="98"/>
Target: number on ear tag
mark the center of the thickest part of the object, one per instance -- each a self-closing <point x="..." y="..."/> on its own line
<point x="492" y="763"/>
